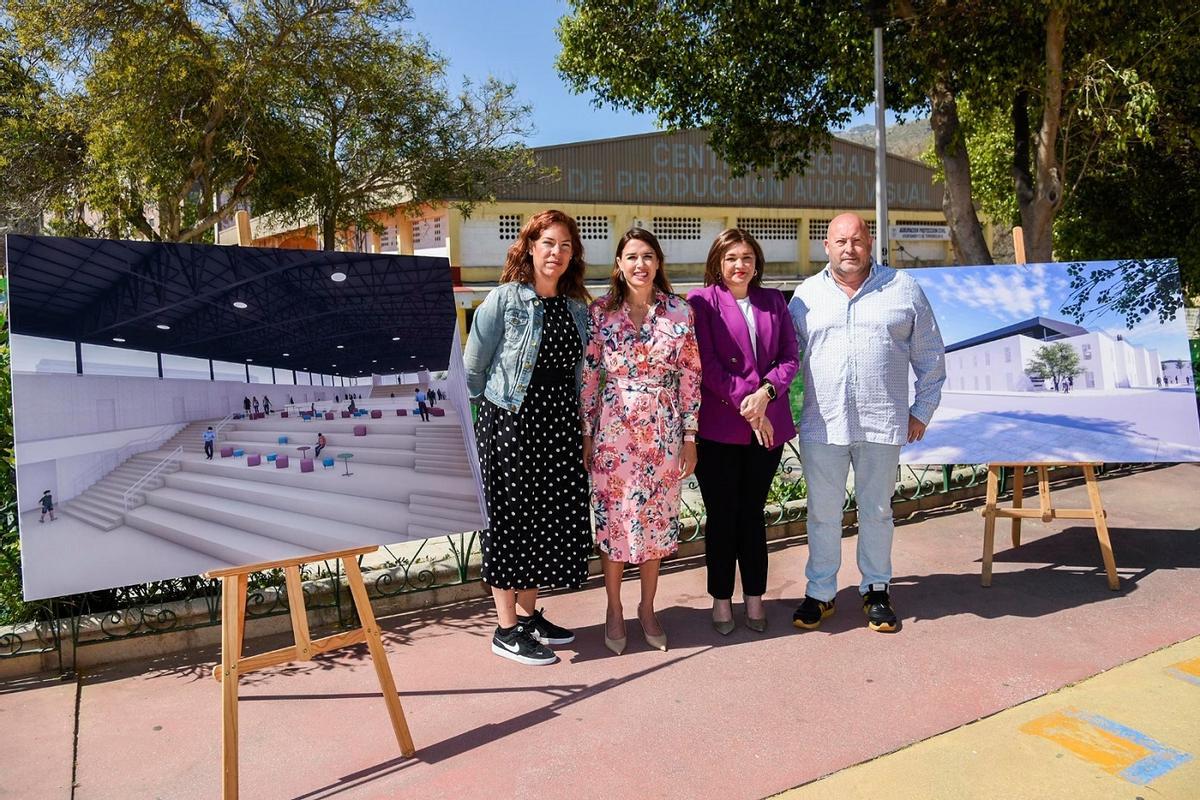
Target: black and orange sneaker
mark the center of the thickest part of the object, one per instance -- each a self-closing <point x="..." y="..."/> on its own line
<point x="811" y="612"/>
<point x="878" y="608"/>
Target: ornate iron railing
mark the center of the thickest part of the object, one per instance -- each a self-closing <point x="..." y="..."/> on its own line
<point x="189" y="603"/>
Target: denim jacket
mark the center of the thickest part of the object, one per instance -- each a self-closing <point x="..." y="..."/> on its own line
<point x="503" y="344"/>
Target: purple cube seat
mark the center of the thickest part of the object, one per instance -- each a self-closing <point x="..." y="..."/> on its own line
<point x="283" y="414"/>
<point x="281" y="462"/>
<point x="437" y="411"/>
<point x="306" y="464"/>
<point x="226" y="452"/>
<point x="345" y="415"/>
<point x="360" y="430"/>
<point x="376" y="414"/>
<point x="328" y="415"/>
<point x="253" y="460"/>
<point x="400" y="412"/>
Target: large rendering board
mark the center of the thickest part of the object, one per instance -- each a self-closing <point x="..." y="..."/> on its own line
<point x="124" y="354"/>
<point x="1061" y="362"/>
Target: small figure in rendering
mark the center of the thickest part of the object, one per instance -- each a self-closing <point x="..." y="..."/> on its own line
<point x="47" y="506"/>
<point x="266" y="404"/>
<point x="421" y="404"/>
<point x="291" y="400"/>
<point x="210" y="436"/>
<point x="246" y="405"/>
<point x="393" y="395"/>
<point x="1158" y="382"/>
<point x="254" y="402"/>
<point x="336" y="399"/>
<point x="320" y="445"/>
<point x="352" y="408"/>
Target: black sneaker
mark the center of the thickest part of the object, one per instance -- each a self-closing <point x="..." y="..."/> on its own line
<point x="878" y="608"/>
<point x="545" y="631"/>
<point x="521" y="647"/>
<point x="811" y="612"/>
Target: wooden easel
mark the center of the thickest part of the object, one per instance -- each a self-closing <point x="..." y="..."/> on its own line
<point x="1045" y="511"/>
<point x="234" y="585"/>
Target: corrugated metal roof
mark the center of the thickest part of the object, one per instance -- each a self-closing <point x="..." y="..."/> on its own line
<point x="679" y="168"/>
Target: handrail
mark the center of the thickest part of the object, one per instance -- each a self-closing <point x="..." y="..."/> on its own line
<point x="224" y="421"/>
<point x="173" y="456"/>
<point x="126" y="452"/>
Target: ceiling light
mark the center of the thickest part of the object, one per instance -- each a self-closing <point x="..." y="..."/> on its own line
<point x="395" y="338"/>
<point x="249" y="360"/>
<point x="285" y="355"/>
<point x="338" y="275"/>
<point x="118" y="339"/>
<point x="239" y="304"/>
<point x="341" y="347"/>
<point x="163" y="327"/>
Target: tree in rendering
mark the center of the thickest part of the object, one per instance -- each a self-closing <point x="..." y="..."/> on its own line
<point x="1054" y="362"/>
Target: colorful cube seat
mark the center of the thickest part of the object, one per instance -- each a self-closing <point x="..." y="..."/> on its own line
<point x="360" y="430"/>
<point x="271" y="456"/>
<point x="281" y="462"/>
<point x="376" y="414"/>
<point x="282" y="440"/>
<point x="327" y="462"/>
<point x="253" y="460"/>
<point x="226" y="452"/>
<point x="239" y="453"/>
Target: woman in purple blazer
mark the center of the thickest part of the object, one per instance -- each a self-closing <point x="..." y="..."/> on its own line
<point x="748" y="358"/>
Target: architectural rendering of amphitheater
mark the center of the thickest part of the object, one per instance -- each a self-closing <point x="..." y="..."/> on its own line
<point x="116" y="433"/>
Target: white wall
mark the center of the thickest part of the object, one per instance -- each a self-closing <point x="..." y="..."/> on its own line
<point x="480" y="244"/>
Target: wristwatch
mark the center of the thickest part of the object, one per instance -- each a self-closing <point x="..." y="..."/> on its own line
<point x="771" y="393"/>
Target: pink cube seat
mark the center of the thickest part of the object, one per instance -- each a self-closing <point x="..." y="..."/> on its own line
<point x="437" y="411"/>
<point x="360" y="430"/>
<point x="345" y="415"/>
<point x="400" y="412"/>
<point x="253" y="459"/>
<point x="226" y="452"/>
<point x="328" y="415"/>
<point x="281" y="462"/>
<point x="283" y="414"/>
<point x="306" y="464"/>
<point x="376" y="414"/>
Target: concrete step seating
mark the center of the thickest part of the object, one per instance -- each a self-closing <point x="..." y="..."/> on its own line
<point x="231" y="545"/>
<point x="308" y="531"/>
<point x="370" y="512"/>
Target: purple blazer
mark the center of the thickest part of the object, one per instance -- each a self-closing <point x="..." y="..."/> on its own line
<point x="730" y="371"/>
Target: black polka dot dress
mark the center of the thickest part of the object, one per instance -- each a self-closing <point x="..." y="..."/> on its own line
<point x="533" y="477"/>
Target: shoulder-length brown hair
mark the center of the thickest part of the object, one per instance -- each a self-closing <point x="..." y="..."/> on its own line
<point x="518" y="265"/>
<point x="725" y="240"/>
<point x="616" y="286"/>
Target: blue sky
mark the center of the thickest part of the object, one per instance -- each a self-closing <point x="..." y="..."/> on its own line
<point x="516" y="43"/>
<point x="969" y="301"/>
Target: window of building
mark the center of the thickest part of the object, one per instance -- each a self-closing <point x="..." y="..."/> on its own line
<point x="1007" y="355"/>
<point x="987" y="382"/>
<point x="871" y="228"/>
<point x="387" y="240"/>
<point x="1087" y="352"/>
<point x="229" y="371"/>
<point x="185" y="367"/>
<point x="987" y="359"/>
<point x="676" y="227"/>
<point x="592" y="227"/>
<point x="101" y="360"/>
<point x="260" y="374"/>
<point x="1090" y="378"/>
<point x="509" y="225"/>
<point x="975" y="360"/>
<point x="35" y="354"/>
<point x="818" y="230"/>
<point x="770" y="229"/>
<point x="429" y="232"/>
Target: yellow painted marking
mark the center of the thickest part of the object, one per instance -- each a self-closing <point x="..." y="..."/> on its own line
<point x="1109" y="752"/>
<point x="1190" y="667"/>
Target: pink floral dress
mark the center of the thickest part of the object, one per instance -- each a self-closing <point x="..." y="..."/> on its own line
<point x="641" y="390"/>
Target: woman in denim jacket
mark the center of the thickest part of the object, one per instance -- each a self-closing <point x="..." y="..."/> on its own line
<point x="523" y="361"/>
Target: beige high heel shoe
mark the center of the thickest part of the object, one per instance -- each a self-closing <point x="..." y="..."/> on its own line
<point x="617" y="646"/>
<point x="657" y="641"/>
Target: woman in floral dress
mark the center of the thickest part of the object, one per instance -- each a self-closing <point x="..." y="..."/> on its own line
<point x="640" y="424"/>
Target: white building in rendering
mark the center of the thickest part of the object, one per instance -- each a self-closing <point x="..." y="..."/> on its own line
<point x="997" y="361"/>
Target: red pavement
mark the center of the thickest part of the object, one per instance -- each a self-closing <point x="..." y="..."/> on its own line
<point x="742" y="717"/>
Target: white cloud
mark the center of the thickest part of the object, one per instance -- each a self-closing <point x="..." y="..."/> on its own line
<point x="1010" y="294"/>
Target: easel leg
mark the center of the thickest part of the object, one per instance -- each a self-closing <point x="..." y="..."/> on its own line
<point x="295" y="598"/>
<point x="1018" y="498"/>
<point x="1110" y="565"/>
<point x="383" y="670"/>
<point x="243" y="589"/>
<point x="1043" y="475"/>
<point x="989" y="523"/>
<point x="231" y="638"/>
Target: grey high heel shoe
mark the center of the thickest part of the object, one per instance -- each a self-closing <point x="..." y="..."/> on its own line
<point x="656" y="640"/>
<point x="617" y="646"/>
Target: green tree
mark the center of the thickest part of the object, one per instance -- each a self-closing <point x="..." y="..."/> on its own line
<point x="177" y="107"/>
<point x="1054" y="362"/>
<point x="769" y="81"/>
<point x="374" y="127"/>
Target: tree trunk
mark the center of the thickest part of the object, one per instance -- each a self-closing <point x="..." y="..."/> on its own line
<point x="329" y="231"/>
<point x="966" y="234"/>
<point x="1040" y="202"/>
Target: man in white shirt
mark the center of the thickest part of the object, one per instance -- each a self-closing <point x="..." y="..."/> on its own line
<point x="860" y="326"/>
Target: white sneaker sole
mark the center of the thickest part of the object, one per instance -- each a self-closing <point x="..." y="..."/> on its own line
<point x="520" y="659"/>
<point x="544" y="640"/>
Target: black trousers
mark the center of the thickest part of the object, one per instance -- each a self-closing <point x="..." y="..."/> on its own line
<point x="734" y="481"/>
<point x="424" y="411"/>
<point x="208" y="449"/>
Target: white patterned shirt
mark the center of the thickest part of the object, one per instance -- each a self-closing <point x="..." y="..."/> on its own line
<point x="857" y="352"/>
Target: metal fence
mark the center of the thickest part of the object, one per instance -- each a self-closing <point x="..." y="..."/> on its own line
<point x="183" y="604"/>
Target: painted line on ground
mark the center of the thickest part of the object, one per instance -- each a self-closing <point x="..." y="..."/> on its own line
<point x="1115" y="748"/>
<point x="1186" y="670"/>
